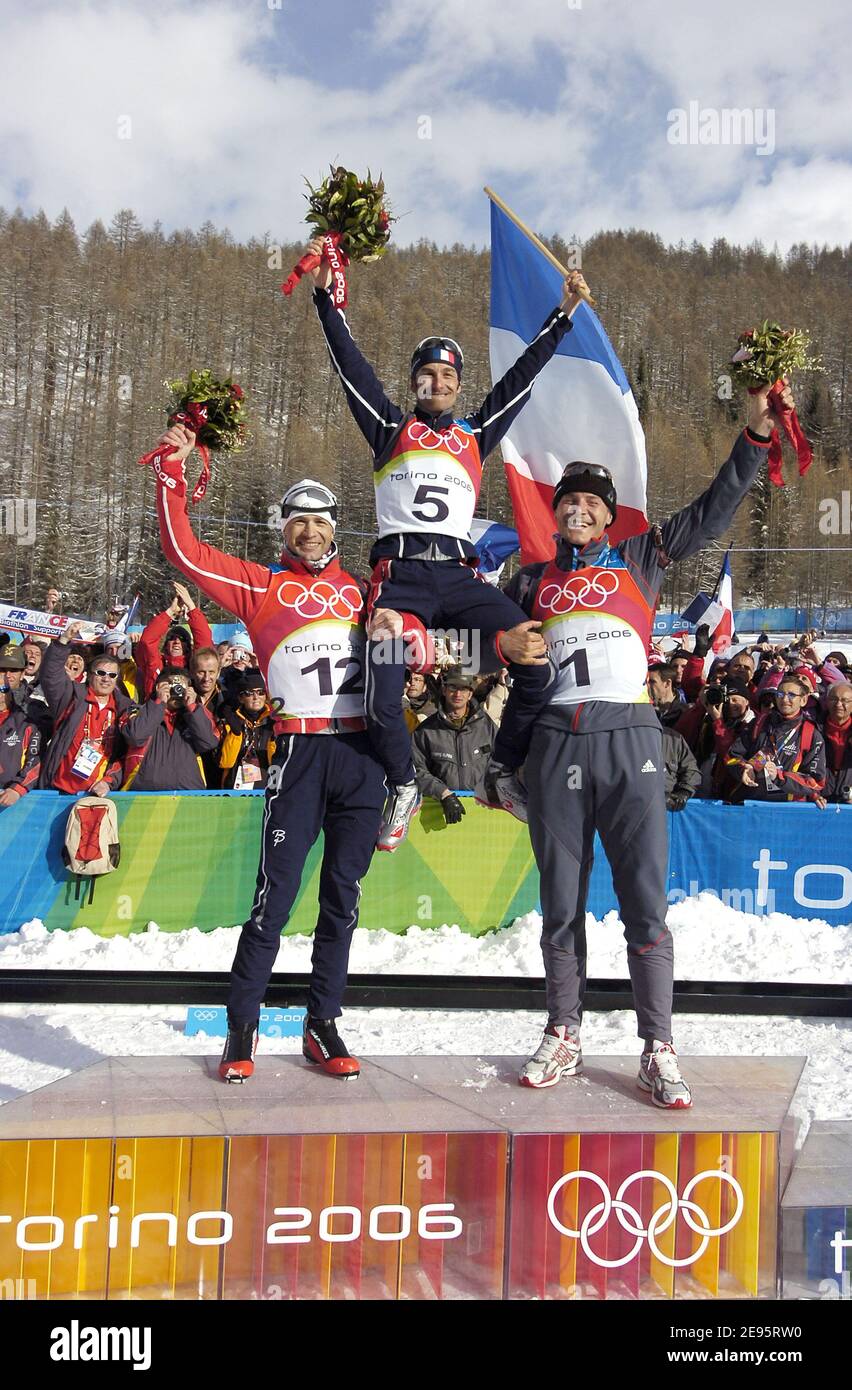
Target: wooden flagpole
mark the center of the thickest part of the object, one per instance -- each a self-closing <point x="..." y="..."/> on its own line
<point x="536" y="241"/>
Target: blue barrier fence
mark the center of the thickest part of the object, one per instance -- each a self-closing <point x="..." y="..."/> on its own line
<point x="755" y="858"/>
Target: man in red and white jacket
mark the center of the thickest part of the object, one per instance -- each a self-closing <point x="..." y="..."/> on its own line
<point x="306" y="624"/>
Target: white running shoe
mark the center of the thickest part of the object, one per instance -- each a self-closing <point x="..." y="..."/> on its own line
<point x="659" y="1073"/>
<point x="501" y="789"/>
<point x="402" y="805"/>
<point x="559" y="1054"/>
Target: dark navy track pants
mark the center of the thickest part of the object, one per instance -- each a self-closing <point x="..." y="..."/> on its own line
<point x="447" y="595"/>
<point x="317" y="782"/>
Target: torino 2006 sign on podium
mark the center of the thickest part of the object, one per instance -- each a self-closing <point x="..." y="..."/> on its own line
<point x="434" y="1178"/>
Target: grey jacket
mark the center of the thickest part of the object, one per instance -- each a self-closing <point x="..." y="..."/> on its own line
<point x="451" y="759"/>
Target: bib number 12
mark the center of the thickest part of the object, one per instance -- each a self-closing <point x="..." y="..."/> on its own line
<point x="350" y="686"/>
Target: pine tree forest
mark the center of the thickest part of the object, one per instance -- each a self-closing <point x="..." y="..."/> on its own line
<point x="92" y="325"/>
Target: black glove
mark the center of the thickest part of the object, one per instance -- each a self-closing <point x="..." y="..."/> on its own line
<point x="676" y="802"/>
<point x="702" y="640"/>
<point x="452" y="808"/>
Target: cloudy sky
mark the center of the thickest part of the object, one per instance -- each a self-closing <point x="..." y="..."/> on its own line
<point x="563" y="106"/>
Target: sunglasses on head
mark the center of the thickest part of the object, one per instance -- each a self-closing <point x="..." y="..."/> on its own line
<point x="434" y="342"/>
<point x="596" y="470"/>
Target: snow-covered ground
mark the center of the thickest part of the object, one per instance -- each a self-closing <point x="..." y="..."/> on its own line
<point x="39" y="1044"/>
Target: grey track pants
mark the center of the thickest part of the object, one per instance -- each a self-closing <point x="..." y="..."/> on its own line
<point x="580" y="783"/>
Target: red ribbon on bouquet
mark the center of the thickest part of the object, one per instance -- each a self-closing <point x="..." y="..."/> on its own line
<point x="789" y="422"/>
<point x="333" y="252"/>
<point x="193" y="417"/>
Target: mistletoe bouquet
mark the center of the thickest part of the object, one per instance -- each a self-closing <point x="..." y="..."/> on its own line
<point x="766" y="356"/>
<point x="214" y="411"/>
<point x="770" y="353"/>
<point x="354" y="222"/>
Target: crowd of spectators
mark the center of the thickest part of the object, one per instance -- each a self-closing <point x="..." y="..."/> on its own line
<point x="174" y="712"/>
<point x="772" y="723"/>
<point x="169" y="711"/>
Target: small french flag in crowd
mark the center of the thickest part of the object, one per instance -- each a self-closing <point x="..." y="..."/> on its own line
<point x="716" y="609"/>
<point x="494" y="544"/>
<point x="581" y="406"/>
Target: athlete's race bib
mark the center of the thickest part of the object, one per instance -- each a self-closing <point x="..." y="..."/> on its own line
<point x="430" y="483"/>
<point x="317" y="671"/>
<point x="596" y="626"/>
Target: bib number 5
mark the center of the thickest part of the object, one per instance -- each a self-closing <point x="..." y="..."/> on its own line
<point x="429" y="496"/>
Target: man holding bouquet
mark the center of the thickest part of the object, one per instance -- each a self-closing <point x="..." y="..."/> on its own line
<point x="324" y="774"/>
<point x="594" y="758"/>
<point x="427" y="470"/>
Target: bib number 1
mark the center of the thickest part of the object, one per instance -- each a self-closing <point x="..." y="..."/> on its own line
<point x="580" y="661"/>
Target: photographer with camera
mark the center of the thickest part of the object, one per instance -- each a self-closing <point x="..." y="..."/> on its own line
<point x="167" y="737"/>
<point x="170" y="638"/>
<point x="727" y="715"/>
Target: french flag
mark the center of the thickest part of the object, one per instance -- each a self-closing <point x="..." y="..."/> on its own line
<point x="581" y="406"/>
<point x="494" y="544"/>
<point x="716" y="610"/>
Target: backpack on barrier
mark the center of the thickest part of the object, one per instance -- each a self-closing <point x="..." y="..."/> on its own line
<point x="91" y="837"/>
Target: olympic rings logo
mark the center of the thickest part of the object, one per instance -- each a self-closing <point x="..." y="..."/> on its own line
<point x="321" y="598"/>
<point x="426" y="438"/>
<point x="630" y="1220"/>
<point x="578" y="591"/>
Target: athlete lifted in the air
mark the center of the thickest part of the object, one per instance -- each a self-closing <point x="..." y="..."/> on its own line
<point x="427" y="469"/>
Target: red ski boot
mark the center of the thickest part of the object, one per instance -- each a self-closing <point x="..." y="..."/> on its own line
<point x="237" y="1062"/>
<point x="322" y="1044"/>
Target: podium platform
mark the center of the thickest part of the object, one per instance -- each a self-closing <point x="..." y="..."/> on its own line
<point x="427" y="1178"/>
<point x="816" y="1216"/>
